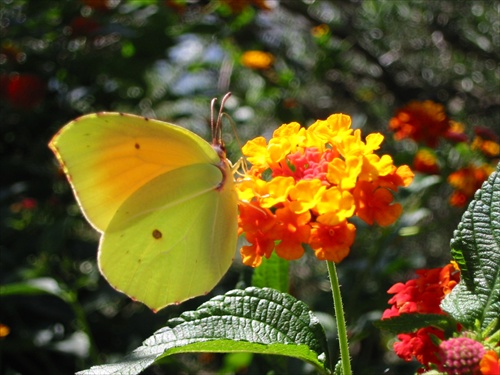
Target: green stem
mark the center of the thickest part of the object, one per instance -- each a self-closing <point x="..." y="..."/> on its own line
<point x="339" y="316"/>
<point x="82" y="324"/>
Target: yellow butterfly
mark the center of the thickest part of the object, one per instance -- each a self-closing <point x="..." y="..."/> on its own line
<point x="162" y="198"/>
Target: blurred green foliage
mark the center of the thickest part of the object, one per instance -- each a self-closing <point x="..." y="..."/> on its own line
<point x="63" y="58"/>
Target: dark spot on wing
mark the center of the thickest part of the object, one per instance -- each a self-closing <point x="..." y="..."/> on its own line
<point x="137" y="146"/>
<point x="157" y="234"/>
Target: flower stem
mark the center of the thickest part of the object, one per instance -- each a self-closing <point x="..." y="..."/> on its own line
<point x="339" y="316"/>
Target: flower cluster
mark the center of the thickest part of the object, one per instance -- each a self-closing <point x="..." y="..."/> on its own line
<point x="427" y="123"/>
<point x="424" y="122"/>
<point x="460" y="355"/>
<point x="428" y="345"/>
<point x="466" y="181"/>
<point x="422" y="295"/>
<point x="304" y="185"/>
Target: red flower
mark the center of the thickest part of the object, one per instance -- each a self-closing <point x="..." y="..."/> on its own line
<point x="25" y="91"/>
<point x="422" y="295"/>
<point x="83" y="26"/>
<point x="102" y="5"/>
<point x="238" y="6"/>
<point x="424" y="122"/>
<point x="419" y="345"/>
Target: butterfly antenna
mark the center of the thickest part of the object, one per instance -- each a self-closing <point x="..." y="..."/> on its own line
<point x="212" y="123"/>
<point x="218" y="125"/>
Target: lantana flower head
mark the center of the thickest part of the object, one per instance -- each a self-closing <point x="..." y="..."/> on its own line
<point x="422" y="295"/>
<point x="424" y="122"/>
<point x="466" y="181"/>
<point x="305" y="184"/>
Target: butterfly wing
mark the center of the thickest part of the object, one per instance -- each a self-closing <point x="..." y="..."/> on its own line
<point x="154" y="190"/>
<point x="108" y="156"/>
<point x="162" y="251"/>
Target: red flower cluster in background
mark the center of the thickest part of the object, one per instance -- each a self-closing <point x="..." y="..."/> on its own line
<point x="424" y="122"/>
<point x="428" y="345"/>
<point x="422" y="295"/>
<point x="428" y="124"/>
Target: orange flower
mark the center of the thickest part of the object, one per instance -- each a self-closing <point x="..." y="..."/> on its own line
<point x="489" y="148"/>
<point x="257" y="59"/>
<point x="466" y="181"/>
<point x="458" y="199"/>
<point x="320" y="31"/>
<point x="400" y="176"/>
<point x="293" y="230"/>
<point x="4" y="331"/>
<point x="425" y="161"/>
<point x="456" y="132"/>
<point x="304" y="184"/>
<point x="332" y="242"/>
<point x="421" y="121"/>
<point x="490" y="363"/>
<point x="373" y="204"/>
<point x="258" y="224"/>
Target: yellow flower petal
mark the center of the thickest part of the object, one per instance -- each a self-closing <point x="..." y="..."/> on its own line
<point x="256" y="152"/>
<point x="335" y="206"/>
<point x="277" y="191"/>
<point x="345" y="173"/>
<point x="305" y="195"/>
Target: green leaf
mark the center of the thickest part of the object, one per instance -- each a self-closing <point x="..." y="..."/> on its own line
<point x="272" y="273"/>
<point x="253" y="320"/>
<point x="476" y="249"/>
<point x="405" y="323"/>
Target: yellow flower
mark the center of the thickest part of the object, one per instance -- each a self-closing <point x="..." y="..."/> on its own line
<point x="335" y="207"/>
<point x="305" y="195"/>
<point x="375" y="166"/>
<point x="276" y="191"/>
<point x="256" y="153"/>
<point x="344" y="173"/>
<point x="334" y="130"/>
